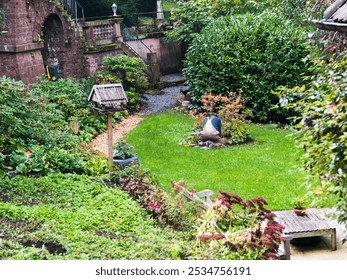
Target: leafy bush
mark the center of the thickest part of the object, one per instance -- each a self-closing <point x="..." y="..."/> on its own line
<point x="192" y="16"/>
<point x="128" y="71"/>
<point x="228" y="109"/>
<point x="35" y="138"/>
<point x="252" y="53"/>
<point x="71" y="97"/>
<point x="239" y="230"/>
<point x="30" y="124"/>
<point x="322" y="129"/>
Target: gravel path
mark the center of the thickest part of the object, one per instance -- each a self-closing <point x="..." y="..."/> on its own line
<point x="151" y="104"/>
<point x="159" y="102"/>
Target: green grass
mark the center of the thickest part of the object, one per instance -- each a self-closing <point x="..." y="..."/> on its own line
<point x="268" y="167"/>
<point x="168" y="5"/>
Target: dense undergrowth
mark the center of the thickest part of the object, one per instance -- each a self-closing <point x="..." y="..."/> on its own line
<point x="76" y="217"/>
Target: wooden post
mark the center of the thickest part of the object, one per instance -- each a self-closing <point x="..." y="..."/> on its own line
<point x="110" y="141"/>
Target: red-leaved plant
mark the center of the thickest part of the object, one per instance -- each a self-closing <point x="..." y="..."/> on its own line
<point x="230" y="110"/>
<point x="170" y="209"/>
<point x="236" y="229"/>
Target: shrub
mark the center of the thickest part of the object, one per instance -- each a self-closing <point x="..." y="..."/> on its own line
<point x="193" y="15"/>
<point x="239" y="230"/>
<point x="252" y="53"/>
<point x="35" y="138"/>
<point x="229" y="110"/>
<point x="322" y="129"/>
<point x="126" y="70"/>
<point x="71" y="97"/>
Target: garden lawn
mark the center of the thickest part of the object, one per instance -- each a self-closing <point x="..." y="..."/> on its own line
<point x="268" y="167"/>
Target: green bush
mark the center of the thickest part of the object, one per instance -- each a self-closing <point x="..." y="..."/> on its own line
<point x="71" y="97"/>
<point x="228" y="109"/>
<point x="126" y="70"/>
<point x="35" y="138"/>
<point x="192" y="16"/>
<point x="322" y="129"/>
<point x="250" y="53"/>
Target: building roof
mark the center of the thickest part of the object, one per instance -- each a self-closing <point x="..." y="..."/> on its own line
<point x="334" y="17"/>
<point x="109" y="97"/>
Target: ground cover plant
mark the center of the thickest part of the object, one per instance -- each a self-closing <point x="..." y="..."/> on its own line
<point x="76" y="217"/>
<point x="268" y="167"/>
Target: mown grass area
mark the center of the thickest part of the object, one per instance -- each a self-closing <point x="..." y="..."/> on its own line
<point x="76" y="217"/>
<point x="268" y="167"/>
<point x="168" y="5"/>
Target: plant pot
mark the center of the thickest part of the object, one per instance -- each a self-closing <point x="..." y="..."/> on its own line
<point x="299" y="212"/>
<point x="126" y="162"/>
<point x="185" y="103"/>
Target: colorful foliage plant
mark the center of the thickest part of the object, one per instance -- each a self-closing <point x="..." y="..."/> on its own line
<point x="230" y="109"/>
<point x="236" y="229"/>
<point x="171" y="209"/>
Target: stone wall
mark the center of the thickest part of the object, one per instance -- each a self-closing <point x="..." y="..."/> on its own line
<point x="94" y="60"/>
<point x="41" y="33"/>
<point x="169" y="54"/>
<point x="22" y="46"/>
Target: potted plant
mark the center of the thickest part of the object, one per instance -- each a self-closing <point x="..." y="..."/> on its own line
<point x="123" y="154"/>
<point x="299" y="206"/>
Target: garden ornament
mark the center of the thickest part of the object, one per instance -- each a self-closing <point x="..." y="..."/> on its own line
<point x="211" y="130"/>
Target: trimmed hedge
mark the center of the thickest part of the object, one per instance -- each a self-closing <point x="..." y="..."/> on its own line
<point x="250" y="53"/>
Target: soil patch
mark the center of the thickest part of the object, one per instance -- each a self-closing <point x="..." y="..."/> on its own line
<point x="51" y="247"/>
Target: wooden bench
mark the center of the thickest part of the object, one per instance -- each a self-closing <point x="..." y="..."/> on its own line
<point x="311" y="224"/>
<point x="203" y="197"/>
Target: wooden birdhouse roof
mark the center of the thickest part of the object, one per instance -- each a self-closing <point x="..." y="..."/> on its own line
<point x="334" y="17"/>
<point x="108" y="97"/>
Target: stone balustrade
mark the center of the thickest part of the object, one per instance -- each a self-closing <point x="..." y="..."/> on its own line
<point x="101" y="33"/>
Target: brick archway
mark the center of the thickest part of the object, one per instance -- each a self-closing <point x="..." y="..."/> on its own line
<point x="53" y="39"/>
<point x="39" y="33"/>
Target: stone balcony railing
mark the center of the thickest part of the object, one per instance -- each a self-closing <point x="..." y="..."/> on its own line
<point x="101" y="33"/>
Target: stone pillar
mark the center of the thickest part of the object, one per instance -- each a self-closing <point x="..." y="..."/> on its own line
<point x="160" y="12"/>
<point x="154" y="66"/>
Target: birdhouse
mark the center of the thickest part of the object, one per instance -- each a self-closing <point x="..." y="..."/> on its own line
<point x="108" y="98"/>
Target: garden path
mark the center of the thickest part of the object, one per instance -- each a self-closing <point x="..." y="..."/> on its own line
<point x="152" y="103"/>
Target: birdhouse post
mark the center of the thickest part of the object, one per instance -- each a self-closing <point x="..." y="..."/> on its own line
<point x="108" y="99"/>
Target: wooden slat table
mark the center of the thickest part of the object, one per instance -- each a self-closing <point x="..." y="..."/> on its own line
<point x="308" y="225"/>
